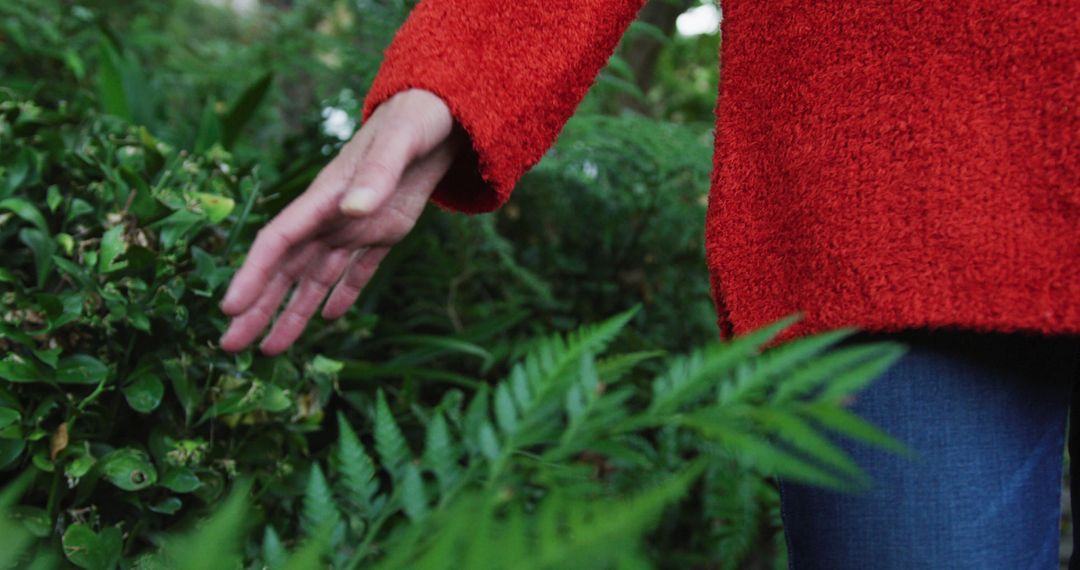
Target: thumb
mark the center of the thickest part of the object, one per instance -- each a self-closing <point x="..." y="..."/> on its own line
<point x="377" y="172"/>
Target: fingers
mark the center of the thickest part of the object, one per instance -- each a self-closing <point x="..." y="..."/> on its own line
<point x="357" y="276"/>
<point x="319" y="276"/>
<point x="244" y="328"/>
<point x="298" y="221"/>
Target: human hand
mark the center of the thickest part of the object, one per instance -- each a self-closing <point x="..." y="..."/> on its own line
<point x="336" y="233"/>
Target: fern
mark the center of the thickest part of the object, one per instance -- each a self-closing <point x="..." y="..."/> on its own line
<point x="356" y="469"/>
<point x="274" y="555"/>
<point x="390" y="443"/>
<point x="413" y="497"/>
<point x="320" y="512"/>
<point x="564" y="533"/>
<point x="441" y="454"/>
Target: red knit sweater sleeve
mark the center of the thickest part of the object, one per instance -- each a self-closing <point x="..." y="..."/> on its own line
<point x="511" y="71"/>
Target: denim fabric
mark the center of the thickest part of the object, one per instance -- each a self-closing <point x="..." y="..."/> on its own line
<point x="986" y="415"/>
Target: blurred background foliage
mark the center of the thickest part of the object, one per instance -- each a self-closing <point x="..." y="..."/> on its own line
<point x="533" y="388"/>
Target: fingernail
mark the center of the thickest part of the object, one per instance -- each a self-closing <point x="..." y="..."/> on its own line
<point x="358" y="201"/>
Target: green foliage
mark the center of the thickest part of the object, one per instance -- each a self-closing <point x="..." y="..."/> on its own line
<point x="488" y="410"/>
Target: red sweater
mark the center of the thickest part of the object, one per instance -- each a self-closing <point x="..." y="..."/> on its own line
<point x="889" y="165"/>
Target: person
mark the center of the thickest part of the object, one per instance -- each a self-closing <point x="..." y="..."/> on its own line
<point x="908" y="167"/>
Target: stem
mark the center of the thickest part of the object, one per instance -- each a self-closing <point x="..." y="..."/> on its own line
<point x="373" y="529"/>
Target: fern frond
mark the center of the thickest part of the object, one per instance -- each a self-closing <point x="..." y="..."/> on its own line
<point x="413" y="496"/>
<point x="809" y="378"/>
<point x="274" y="554"/>
<point x="850" y="425"/>
<point x="441" y="454"/>
<point x="690" y="376"/>
<point x="612" y="369"/>
<point x="562" y="532"/>
<point x="757" y="451"/>
<point x="319" y="512"/>
<point x="390" y="443"/>
<point x="766" y="368"/>
<point x="356" y="468"/>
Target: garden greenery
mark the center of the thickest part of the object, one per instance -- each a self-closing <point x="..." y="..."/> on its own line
<point x="520" y="390"/>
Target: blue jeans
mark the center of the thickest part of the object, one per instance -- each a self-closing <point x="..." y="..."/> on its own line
<point x="986" y="415"/>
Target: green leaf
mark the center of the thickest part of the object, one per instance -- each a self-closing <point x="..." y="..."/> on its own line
<point x="215" y="543"/>
<point x="50" y="357"/>
<point x="79" y="466"/>
<point x="81" y="369"/>
<point x="88" y="549"/>
<point x="167" y="506"/>
<point x="144" y="394"/>
<point x="309" y="555"/>
<point x="187" y="392"/>
<point x="35" y="519"/>
<point x="15" y="368"/>
<point x="113" y="245"/>
<point x="489" y="442"/>
<point x="357" y="470"/>
<point x="43" y="247"/>
<point x="129" y="469"/>
<point x="53" y="199"/>
<point x="390" y="443"/>
<point x="8" y="417"/>
<point x="10" y="451"/>
<point x="413" y="497"/>
<point x="505" y="414"/>
<point x="441" y="455"/>
<point x="216" y="208"/>
<point x="110" y="80"/>
<point x="27" y="211"/>
<point x="244" y="109"/>
<point x="323" y="365"/>
<point x="320" y="509"/>
<point x="209" y="132"/>
<point x="274" y="554"/>
<point x="180" y="480"/>
<point x="850" y="425"/>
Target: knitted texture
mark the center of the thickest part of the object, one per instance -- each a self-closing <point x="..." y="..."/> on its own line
<point x="888" y="165"/>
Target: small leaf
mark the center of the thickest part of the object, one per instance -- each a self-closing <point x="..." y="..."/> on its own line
<point x="129" y="469"/>
<point x="441" y="454"/>
<point x="413" y="498"/>
<point x="167" y="506"/>
<point x="81" y="369"/>
<point x="43" y="247"/>
<point x="216" y="208"/>
<point x="80" y="466"/>
<point x="113" y="245"/>
<point x="505" y="414"/>
<point x="34" y="519"/>
<point x="9" y="417"/>
<point x="25" y="210"/>
<point x="274" y="554"/>
<point x="180" y="480"/>
<point x="320" y="509"/>
<point x="90" y="550"/>
<point x="489" y="443"/>
<point x="14" y="368"/>
<point x="244" y="109"/>
<point x="114" y="99"/>
<point x="356" y="467"/>
<point x="144" y="393"/>
<point x="390" y="443"/>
